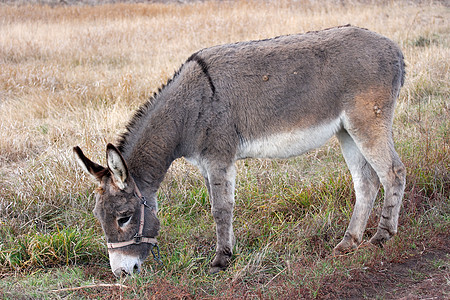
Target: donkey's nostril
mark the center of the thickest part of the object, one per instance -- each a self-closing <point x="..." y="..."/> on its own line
<point x="136" y="268"/>
<point x="120" y="272"/>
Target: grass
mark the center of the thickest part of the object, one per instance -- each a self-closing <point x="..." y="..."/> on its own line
<point x="58" y="247"/>
<point x="73" y="75"/>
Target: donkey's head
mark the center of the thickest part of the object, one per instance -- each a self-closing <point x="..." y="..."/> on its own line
<point x="129" y="223"/>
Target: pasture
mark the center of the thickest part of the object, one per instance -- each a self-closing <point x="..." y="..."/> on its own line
<point x="74" y="75"/>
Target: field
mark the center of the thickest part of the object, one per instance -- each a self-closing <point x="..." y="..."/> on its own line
<point x="73" y="75"/>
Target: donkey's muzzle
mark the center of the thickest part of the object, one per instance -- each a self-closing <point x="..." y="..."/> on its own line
<point x="124" y="264"/>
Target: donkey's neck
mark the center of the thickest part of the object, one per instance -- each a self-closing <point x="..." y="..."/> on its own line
<point x="151" y="143"/>
<point x="165" y="128"/>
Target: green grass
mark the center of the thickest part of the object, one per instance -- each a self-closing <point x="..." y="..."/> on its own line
<point x="58" y="247"/>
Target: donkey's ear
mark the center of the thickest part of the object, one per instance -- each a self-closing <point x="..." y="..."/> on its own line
<point x="117" y="166"/>
<point x="90" y="167"/>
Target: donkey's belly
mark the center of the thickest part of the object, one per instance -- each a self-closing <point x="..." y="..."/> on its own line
<point x="289" y="144"/>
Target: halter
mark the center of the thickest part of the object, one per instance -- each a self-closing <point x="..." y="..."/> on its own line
<point x="138" y="238"/>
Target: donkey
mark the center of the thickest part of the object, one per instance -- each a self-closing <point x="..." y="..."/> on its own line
<point x="273" y="98"/>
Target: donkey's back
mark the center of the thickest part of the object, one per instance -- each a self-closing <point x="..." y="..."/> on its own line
<point x="283" y="96"/>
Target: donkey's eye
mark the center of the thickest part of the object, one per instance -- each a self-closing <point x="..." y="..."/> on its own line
<point x="123" y="221"/>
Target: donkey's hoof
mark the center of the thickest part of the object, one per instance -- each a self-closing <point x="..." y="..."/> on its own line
<point x="377" y="241"/>
<point x="338" y="251"/>
<point x="380" y="238"/>
<point x="220" y="263"/>
<point x="216" y="270"/>
<point x="345" y="246"/>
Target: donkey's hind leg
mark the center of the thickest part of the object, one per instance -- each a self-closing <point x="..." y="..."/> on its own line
<point x="393" y="178"/>
<point x="379" y="151"/>
<point x="366" y="184"/>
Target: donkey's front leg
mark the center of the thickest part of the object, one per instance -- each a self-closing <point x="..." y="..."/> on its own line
<point x="221" y="186"/>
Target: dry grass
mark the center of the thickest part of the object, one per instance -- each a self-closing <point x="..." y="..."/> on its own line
<point x="73" y="75"/>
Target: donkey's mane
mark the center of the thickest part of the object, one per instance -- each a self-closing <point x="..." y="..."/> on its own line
<point x="143" y="111"/>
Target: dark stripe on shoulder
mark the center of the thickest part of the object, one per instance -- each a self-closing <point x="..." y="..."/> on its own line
<point x="204" y="66"/>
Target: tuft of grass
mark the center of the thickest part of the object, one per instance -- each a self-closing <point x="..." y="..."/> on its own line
<point x="60" y="247"/>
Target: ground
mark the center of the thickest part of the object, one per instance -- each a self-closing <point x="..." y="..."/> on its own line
<point x="425" y="275"/>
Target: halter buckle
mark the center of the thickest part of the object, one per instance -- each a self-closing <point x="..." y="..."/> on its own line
<point x="144" y="202"/>
<point x="137" y="239"/>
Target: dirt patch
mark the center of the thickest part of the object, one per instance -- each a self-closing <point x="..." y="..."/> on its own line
<point x="425" y="275"/>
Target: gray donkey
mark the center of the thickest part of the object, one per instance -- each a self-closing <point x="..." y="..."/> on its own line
<point x="274" y="98"/>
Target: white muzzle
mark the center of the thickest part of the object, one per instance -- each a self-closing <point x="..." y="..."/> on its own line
<point x="123" y="264"/>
